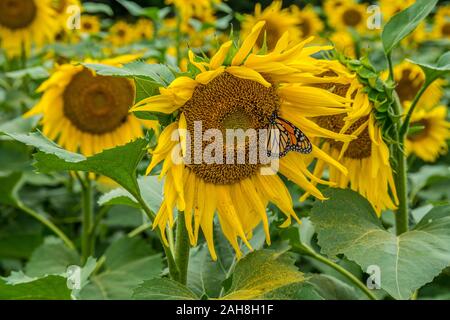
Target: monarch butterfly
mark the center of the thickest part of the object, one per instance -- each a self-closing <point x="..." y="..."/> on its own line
<point x="284" y="137"/>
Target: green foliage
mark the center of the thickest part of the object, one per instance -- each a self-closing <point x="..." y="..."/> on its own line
<point x="403" y="23"/>
<point x="47" y="288"/>
<point x="347" y="224"/>
<point x="437" y="70"/>
<point x="163" y="289"/>
<point x="265" y="274"/>
<point x="127" y="263"/>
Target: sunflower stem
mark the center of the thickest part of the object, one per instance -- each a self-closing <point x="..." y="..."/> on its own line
<point x="88" y="219"/>
<point x="178" y="35"/>
<point x="342" y="271"/>
<point x="405" y="126"/>
<point x="400" y="164"/>
<point x="173" y="268"/>
<point x="50" y="225"/>
<point x="182" y="249"/>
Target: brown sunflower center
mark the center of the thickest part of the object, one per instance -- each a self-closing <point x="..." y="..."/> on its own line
<point x="87" y="26"/>
<point x="306" y="29"/>
<point x="272" y="34"/>
<point x="359" y="148"/>
<point x="446" y="29"/>
<point x="407" y="88"/>
<point x="352" y="17"/>
<point x="97" y="104"/>
<point x="228" y="102"/>
<point x="59" y="5"/>
<point x="121" y="33"/>
<point x="422" y="133"/>
<point x="17" y="14"/>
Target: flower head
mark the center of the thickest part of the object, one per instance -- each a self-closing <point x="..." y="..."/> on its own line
<point x="239" y="90"/>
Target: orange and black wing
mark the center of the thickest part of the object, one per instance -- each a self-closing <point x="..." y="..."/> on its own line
<point x="285" y="137"/>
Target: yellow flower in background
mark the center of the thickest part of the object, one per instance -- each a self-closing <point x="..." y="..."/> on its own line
<point x="430" y="141"/>
<point x="199" y="9"/>
<point x="330" y="6"/>
<point x="144" y="29"/>
<point x="86" y="112"/>
<point x="343" y="43"/>
<point x="278" y="21"/>
<point x="309" y="22"/>
<point x="26" y="23"/>
<point x="90" y="24"/>
<point x="367" y="157"/>
<point x="390" y="8"/>
<point x="64" y="12"/>
<point x="349" y="15"/>
<point x="240" y="89"/>
<point x="121" y="34"/>
<point x="410" y="78"/>
<point x="441" y="23"/>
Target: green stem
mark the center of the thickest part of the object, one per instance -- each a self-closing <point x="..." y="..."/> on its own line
<point x="401" y="167"/>
<point x="342" y="271"/>
<point x="87" y="197"/>
<point x="137" y="231"/>
<point x="405" y="125"/>
<point x="182" y="248"/>
<point x="173" y="269"/>
<point x="47" y="223"/>
<point x="178" y="36"/>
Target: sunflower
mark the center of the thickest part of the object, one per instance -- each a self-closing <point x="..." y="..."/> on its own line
<point x="86" y="112"/>
<point x="410" y="78"/>
<point x="330" y="6"/>
<point x="349" y="15"/>
<point x="90" y="24"/>
<point x="390" y="8"/>
<point x="430" y="141"/>
<point x="367" y="157"/>
<point x="237" y="89"/>
<point x="144" y="29"/>
<point x="24" y="23"/>
<point x="343" y="43"/>
<point x="121" y="34"/>
<point x="61" y="8"/>
<point x="278" y="21"/>
<point x="309" y="22"/>
<point x="199" y="9"/>
<point x="441" y="26"/>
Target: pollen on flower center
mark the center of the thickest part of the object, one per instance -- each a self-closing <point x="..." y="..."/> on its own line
<point x="97" y="104"/>
<point x="359" y="148"/>
<point x="407" y="88"/>
<point x="17" y="14"/>
<point x="229" y="102"/>
<point x="352" y="17"/>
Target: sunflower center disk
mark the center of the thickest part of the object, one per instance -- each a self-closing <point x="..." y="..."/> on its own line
<point x="97" y="104"/>
<point x="17" y="14"/>
<point x="359" y="148"/>
<point x="352" y="17"/>
<point x="272" y="34"/>
<point x="423" y="133"/>
<point x="407" y="88"/>
<point x="227" y="105"/>
<point x="446" y="29"/>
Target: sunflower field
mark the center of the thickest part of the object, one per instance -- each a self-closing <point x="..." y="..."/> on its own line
<point x="224" y="149"/>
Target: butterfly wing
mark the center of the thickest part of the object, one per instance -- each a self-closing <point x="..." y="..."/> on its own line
<point x="285" y="137"/>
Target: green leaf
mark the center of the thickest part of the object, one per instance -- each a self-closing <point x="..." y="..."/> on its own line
<point x="92" y="7"/>
<point x="158" y="74"/>
<point x="9" y="185"/>
<point x="347" y="224"/>
<point x="128" y="262"/>
<point x="265" y="274"/>
<point x="48" y="288"/>
<point x="151" y="190"/>
<point x="325" y="287"/>
<point x="163" y="289"/>
<point x="18" y="125"/>
<point x="52" y="257"/>
<point x="437" y="70"/>
<point x="119" y="163"/>
<point x="35" y="73"/>
<point x="426" y="176"/>
<point x="403" y="23"/>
